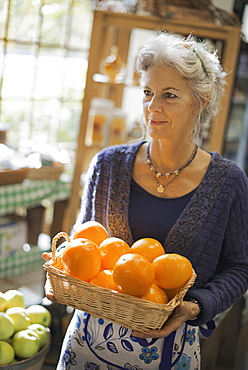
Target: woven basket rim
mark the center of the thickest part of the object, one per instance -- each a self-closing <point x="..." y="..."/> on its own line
<point x="9" y="177"/>
<point x="8" y="170"/>
<point x="48" y="266"/>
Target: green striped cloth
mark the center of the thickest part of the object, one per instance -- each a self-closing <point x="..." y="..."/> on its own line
<point x="31" y="193"/>
<point x="27" y="194"/>
<point x="20" y="263"/>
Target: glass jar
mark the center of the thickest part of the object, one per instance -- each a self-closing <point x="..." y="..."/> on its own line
<point x="117" y="134"/>
<point x="99" y="116"/>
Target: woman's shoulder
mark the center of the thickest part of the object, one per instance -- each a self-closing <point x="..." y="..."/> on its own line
<point x="115" y="157"/>
<point x="129" y="149"/>
<point x="234" y="174"/>
<point x="222" y="161"/>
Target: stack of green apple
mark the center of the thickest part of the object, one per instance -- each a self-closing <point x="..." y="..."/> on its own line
<point x="23" y="330"/>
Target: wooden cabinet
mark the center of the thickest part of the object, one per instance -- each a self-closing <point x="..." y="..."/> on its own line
<point x="116" y="28"/>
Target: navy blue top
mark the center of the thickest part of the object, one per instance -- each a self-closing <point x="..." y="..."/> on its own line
<point x="151" y="216"/>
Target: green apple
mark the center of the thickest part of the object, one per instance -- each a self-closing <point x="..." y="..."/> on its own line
<point x="6" y="326"/>
<point x="26" y="343"/>
<point x="3" y="302"/>
<point x="7" y="353"/>
<point x="39" y="315"/>
<point x="42" y="332"/>
<point x="20" y="317"/>
<point x="14" y="299"/>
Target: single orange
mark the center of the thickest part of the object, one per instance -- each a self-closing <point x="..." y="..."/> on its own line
<point x="133" y="274"/>
<point x="148" y="247"/>
<point x="104" y="278"/>
<point x="91" y="230"/>
<point x="81" y="259"/>
<point x="111" y="250"/>
<point x="172" y="271"/>
<point x="155" y="294"/>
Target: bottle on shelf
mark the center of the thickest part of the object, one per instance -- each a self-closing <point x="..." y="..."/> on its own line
<point x="113" y="66"/>
<point x="99" y="117"/>
<point x="117" y="134"/>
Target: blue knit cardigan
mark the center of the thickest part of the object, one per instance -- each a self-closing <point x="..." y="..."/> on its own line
<point x="212" y="231"/>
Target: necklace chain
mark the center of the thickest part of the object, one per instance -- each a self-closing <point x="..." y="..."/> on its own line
<point x="160" y="188"/>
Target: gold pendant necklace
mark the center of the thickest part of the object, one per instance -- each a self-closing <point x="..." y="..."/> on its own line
<point x="160" y="188"/>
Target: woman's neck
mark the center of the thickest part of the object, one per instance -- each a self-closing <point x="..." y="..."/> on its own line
<point x="168" y="157"/>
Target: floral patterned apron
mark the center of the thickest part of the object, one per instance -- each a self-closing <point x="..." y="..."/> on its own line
<point x="93" y="343"/>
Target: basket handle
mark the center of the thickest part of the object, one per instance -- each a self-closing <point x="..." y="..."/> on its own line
<point x="62" y="234"/>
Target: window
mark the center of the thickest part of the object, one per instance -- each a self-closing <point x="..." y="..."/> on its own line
<point x="43" y="62"/>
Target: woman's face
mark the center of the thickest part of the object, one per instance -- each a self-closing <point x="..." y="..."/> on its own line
<point x="168" y="104"/>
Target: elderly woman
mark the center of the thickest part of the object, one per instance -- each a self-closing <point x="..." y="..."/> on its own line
<point x="168" y="188"/>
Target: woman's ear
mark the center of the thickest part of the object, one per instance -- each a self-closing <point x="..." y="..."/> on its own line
<point x="204" y="102"/>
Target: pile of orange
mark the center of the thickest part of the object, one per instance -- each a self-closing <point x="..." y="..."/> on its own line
<point x="142" y="269"/>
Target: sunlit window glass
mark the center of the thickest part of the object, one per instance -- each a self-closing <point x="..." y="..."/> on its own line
<point x="43" y="63"/>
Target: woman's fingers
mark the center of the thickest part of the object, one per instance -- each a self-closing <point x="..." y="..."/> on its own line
<point x="48" y="290"/>
<point x="185" y="311"/>
<point x="47" y="256"/>
<point x="171" y="325"/>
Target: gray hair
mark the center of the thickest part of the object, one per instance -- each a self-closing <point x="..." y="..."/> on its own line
<point x="194" y="61"/>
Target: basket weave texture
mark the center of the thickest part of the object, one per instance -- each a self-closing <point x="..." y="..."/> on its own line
<point x="122" y="309"/>
<point x="201" y="10"/>
<point x="8" y="177"/>
<point x="155" y="6"/>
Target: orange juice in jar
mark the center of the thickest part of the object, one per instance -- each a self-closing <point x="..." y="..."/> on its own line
<point x="99" y="118"/>
<point x="117" y="133"/>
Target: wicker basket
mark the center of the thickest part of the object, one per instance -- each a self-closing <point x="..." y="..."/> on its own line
<point x="8" y="177"/>
<point x="191" y="10"/>
<point x="154" y="6"/>
<point x="123" y="309"/>
<point x="46" y="172"/>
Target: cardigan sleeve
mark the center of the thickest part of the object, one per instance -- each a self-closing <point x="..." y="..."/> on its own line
<point x="87" y="199"/>
<point x="231" y="278"/>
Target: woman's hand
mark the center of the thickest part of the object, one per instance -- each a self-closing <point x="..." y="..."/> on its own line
<point x="48" y="288"/>
<point x="185" y="311"/>
<point x="47" y="256"/>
